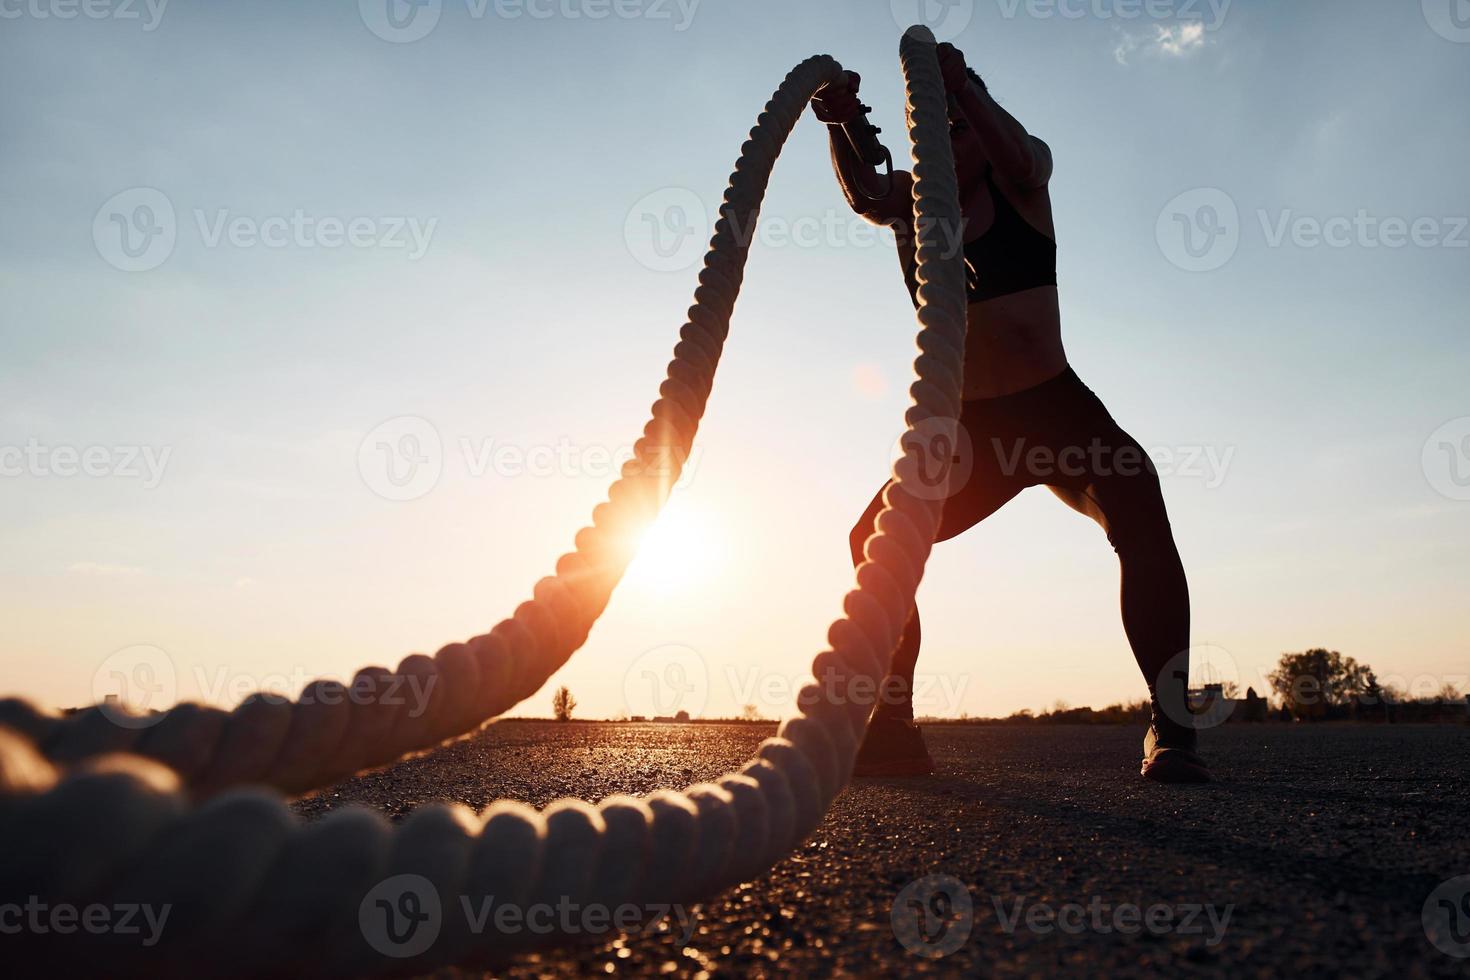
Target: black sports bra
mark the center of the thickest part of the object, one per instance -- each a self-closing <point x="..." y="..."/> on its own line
<point x="1011" y="257"/>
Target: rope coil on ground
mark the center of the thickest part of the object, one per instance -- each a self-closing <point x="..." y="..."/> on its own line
<point x="244" y="879"/>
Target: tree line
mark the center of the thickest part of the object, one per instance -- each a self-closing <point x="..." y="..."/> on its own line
<point x="1313" y="685"/>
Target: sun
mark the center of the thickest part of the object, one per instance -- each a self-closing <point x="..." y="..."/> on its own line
<point x="681" y="551"/>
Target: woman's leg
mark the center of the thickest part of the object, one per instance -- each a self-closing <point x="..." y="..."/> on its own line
<point x="1116" y="485"/>
<point x="982" y="494"/>
<point x="1154" y="592"/>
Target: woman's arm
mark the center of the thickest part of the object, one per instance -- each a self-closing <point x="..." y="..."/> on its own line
<point x="1021" y="157"/>
<point x="868" y="193"/>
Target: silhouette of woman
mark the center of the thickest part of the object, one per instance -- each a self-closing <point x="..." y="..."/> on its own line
<point x="1030" y="421"/>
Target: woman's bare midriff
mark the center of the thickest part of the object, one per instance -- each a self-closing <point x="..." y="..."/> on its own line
<point x="1013" y="343"/>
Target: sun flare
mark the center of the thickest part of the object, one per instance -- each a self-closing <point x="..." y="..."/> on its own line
<point x="681" y="551"/>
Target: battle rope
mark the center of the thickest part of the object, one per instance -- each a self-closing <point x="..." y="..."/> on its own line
<point x="251" y="890"/>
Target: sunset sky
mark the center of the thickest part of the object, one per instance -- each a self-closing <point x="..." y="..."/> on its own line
<point x="244" y="248"/>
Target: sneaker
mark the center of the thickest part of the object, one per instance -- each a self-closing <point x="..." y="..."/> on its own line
<point x="1169" y="755"/>
<point x="893" y="747"/>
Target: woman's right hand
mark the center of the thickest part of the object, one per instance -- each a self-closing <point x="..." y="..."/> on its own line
<point x="836" y="102"/>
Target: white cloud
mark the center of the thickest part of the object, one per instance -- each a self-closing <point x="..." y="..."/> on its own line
<point x="1178" y="41"/>
<point x="1127" y="44"/>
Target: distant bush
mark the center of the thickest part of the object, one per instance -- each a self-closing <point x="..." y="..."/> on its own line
<point x="562" y="704"/>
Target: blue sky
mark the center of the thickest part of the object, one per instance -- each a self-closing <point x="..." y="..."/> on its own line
<point x="455" y="229"/>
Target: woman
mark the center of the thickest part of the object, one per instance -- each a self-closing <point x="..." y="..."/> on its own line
<point x="1029" y="420"/>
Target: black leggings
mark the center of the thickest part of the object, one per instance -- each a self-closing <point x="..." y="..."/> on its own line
<point x="1058" y="434"/>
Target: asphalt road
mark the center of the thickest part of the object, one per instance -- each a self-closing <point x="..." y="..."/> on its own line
<point x="1314" y="852"/>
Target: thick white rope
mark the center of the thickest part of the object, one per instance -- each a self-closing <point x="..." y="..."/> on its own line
<point x="253" y="891"/>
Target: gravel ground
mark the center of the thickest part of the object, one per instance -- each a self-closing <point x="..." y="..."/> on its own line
<point x="1321" y="844"/>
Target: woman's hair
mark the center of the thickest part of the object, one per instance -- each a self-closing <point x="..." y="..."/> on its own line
<point x="974" y="77"/>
